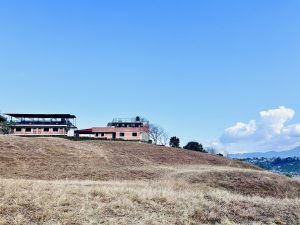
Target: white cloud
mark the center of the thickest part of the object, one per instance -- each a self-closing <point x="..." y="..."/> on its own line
<point x="275" y="119"/>
<point x="239" y="131"/>
<point x="269" y="132"/>
<point x="292" y="131"/>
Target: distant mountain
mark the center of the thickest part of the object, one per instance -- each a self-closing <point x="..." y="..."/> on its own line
<point x="282" y="154"/>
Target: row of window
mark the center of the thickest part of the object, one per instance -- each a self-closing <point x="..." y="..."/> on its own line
<point x="133" y="134"/>
<point x="121" y="134"/>
<point x="30" y="129"/>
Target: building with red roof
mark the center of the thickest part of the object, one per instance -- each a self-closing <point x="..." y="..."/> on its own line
<point x="135" y="129"/>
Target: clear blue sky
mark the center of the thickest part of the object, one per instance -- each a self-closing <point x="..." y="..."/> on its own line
<point x="194" y="67"/>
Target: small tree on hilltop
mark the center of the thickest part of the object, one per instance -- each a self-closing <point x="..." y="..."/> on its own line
<point x="163" y="140"/>
<point x="4" y="126"/>
<point x="194" y="146"/>
<point x="2" y="118"/>
<point x="211" y="150"/>
<point x="157" y="134"/>
<point x="174" y="142"/>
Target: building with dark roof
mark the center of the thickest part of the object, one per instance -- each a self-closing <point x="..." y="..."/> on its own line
<point x="41" y="124"/>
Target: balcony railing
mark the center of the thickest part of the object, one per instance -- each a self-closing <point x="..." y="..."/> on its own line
<point x="129" y="120"/>
<point x="68" y="123"/>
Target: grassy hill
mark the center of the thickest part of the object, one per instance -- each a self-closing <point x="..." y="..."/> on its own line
<point x="58" y="181"/>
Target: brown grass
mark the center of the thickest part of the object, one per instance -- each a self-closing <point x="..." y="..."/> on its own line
<point x="55" y="158"/>
<point x="132" y="183"/>
<point x="246" y="182"/>
<point x="136" y="202"/>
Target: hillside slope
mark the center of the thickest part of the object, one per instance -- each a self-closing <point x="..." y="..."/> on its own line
<point x="56" y="158"/>
<point x="57" y="181"/>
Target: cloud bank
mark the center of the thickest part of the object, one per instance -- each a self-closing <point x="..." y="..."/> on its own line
<point x="270" y="132"/>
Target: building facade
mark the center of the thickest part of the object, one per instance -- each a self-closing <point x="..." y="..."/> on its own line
<point x="135" y="129"/>
<point x="42" y="124"/>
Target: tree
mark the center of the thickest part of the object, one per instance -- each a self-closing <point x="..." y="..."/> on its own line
<point x="2" y="118"/>
<point x="4" y="125"/>
<point x="174" y="142"/>
<point x="211" y="150"/>
<point x="157" y="134"/>
<point x="194" y="146"/>
<point x="225" y="153"/>
<point x="163" y="140"/>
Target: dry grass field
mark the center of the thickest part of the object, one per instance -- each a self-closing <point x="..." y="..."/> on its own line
<point x="57" y="181"/>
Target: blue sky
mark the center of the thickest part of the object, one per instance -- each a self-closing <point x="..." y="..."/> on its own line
<point x="194" y="67"/>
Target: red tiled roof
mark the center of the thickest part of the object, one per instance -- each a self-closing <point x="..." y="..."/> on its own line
<point x="84" y="131"/>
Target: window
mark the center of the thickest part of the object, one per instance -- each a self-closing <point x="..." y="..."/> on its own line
<point x="102" y="134"/>
<point x="97" y="134"/>
<point x="28" y="129"/>
<point x="134" y="134"/>
<point x="18" y="129"/>
<point x="55" y="129"/>
<point x="46" y="129"/>
<point x="122" y="134"/>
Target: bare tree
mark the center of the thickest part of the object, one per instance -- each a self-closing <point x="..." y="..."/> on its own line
<point x="157" y="134"/>
<point x="164" y="138"/>
<point x="211" y="150"/>
<point x="225" y="153"/>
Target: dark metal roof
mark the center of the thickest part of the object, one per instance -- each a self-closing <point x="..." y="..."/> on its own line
<point x="44" y="116"/>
